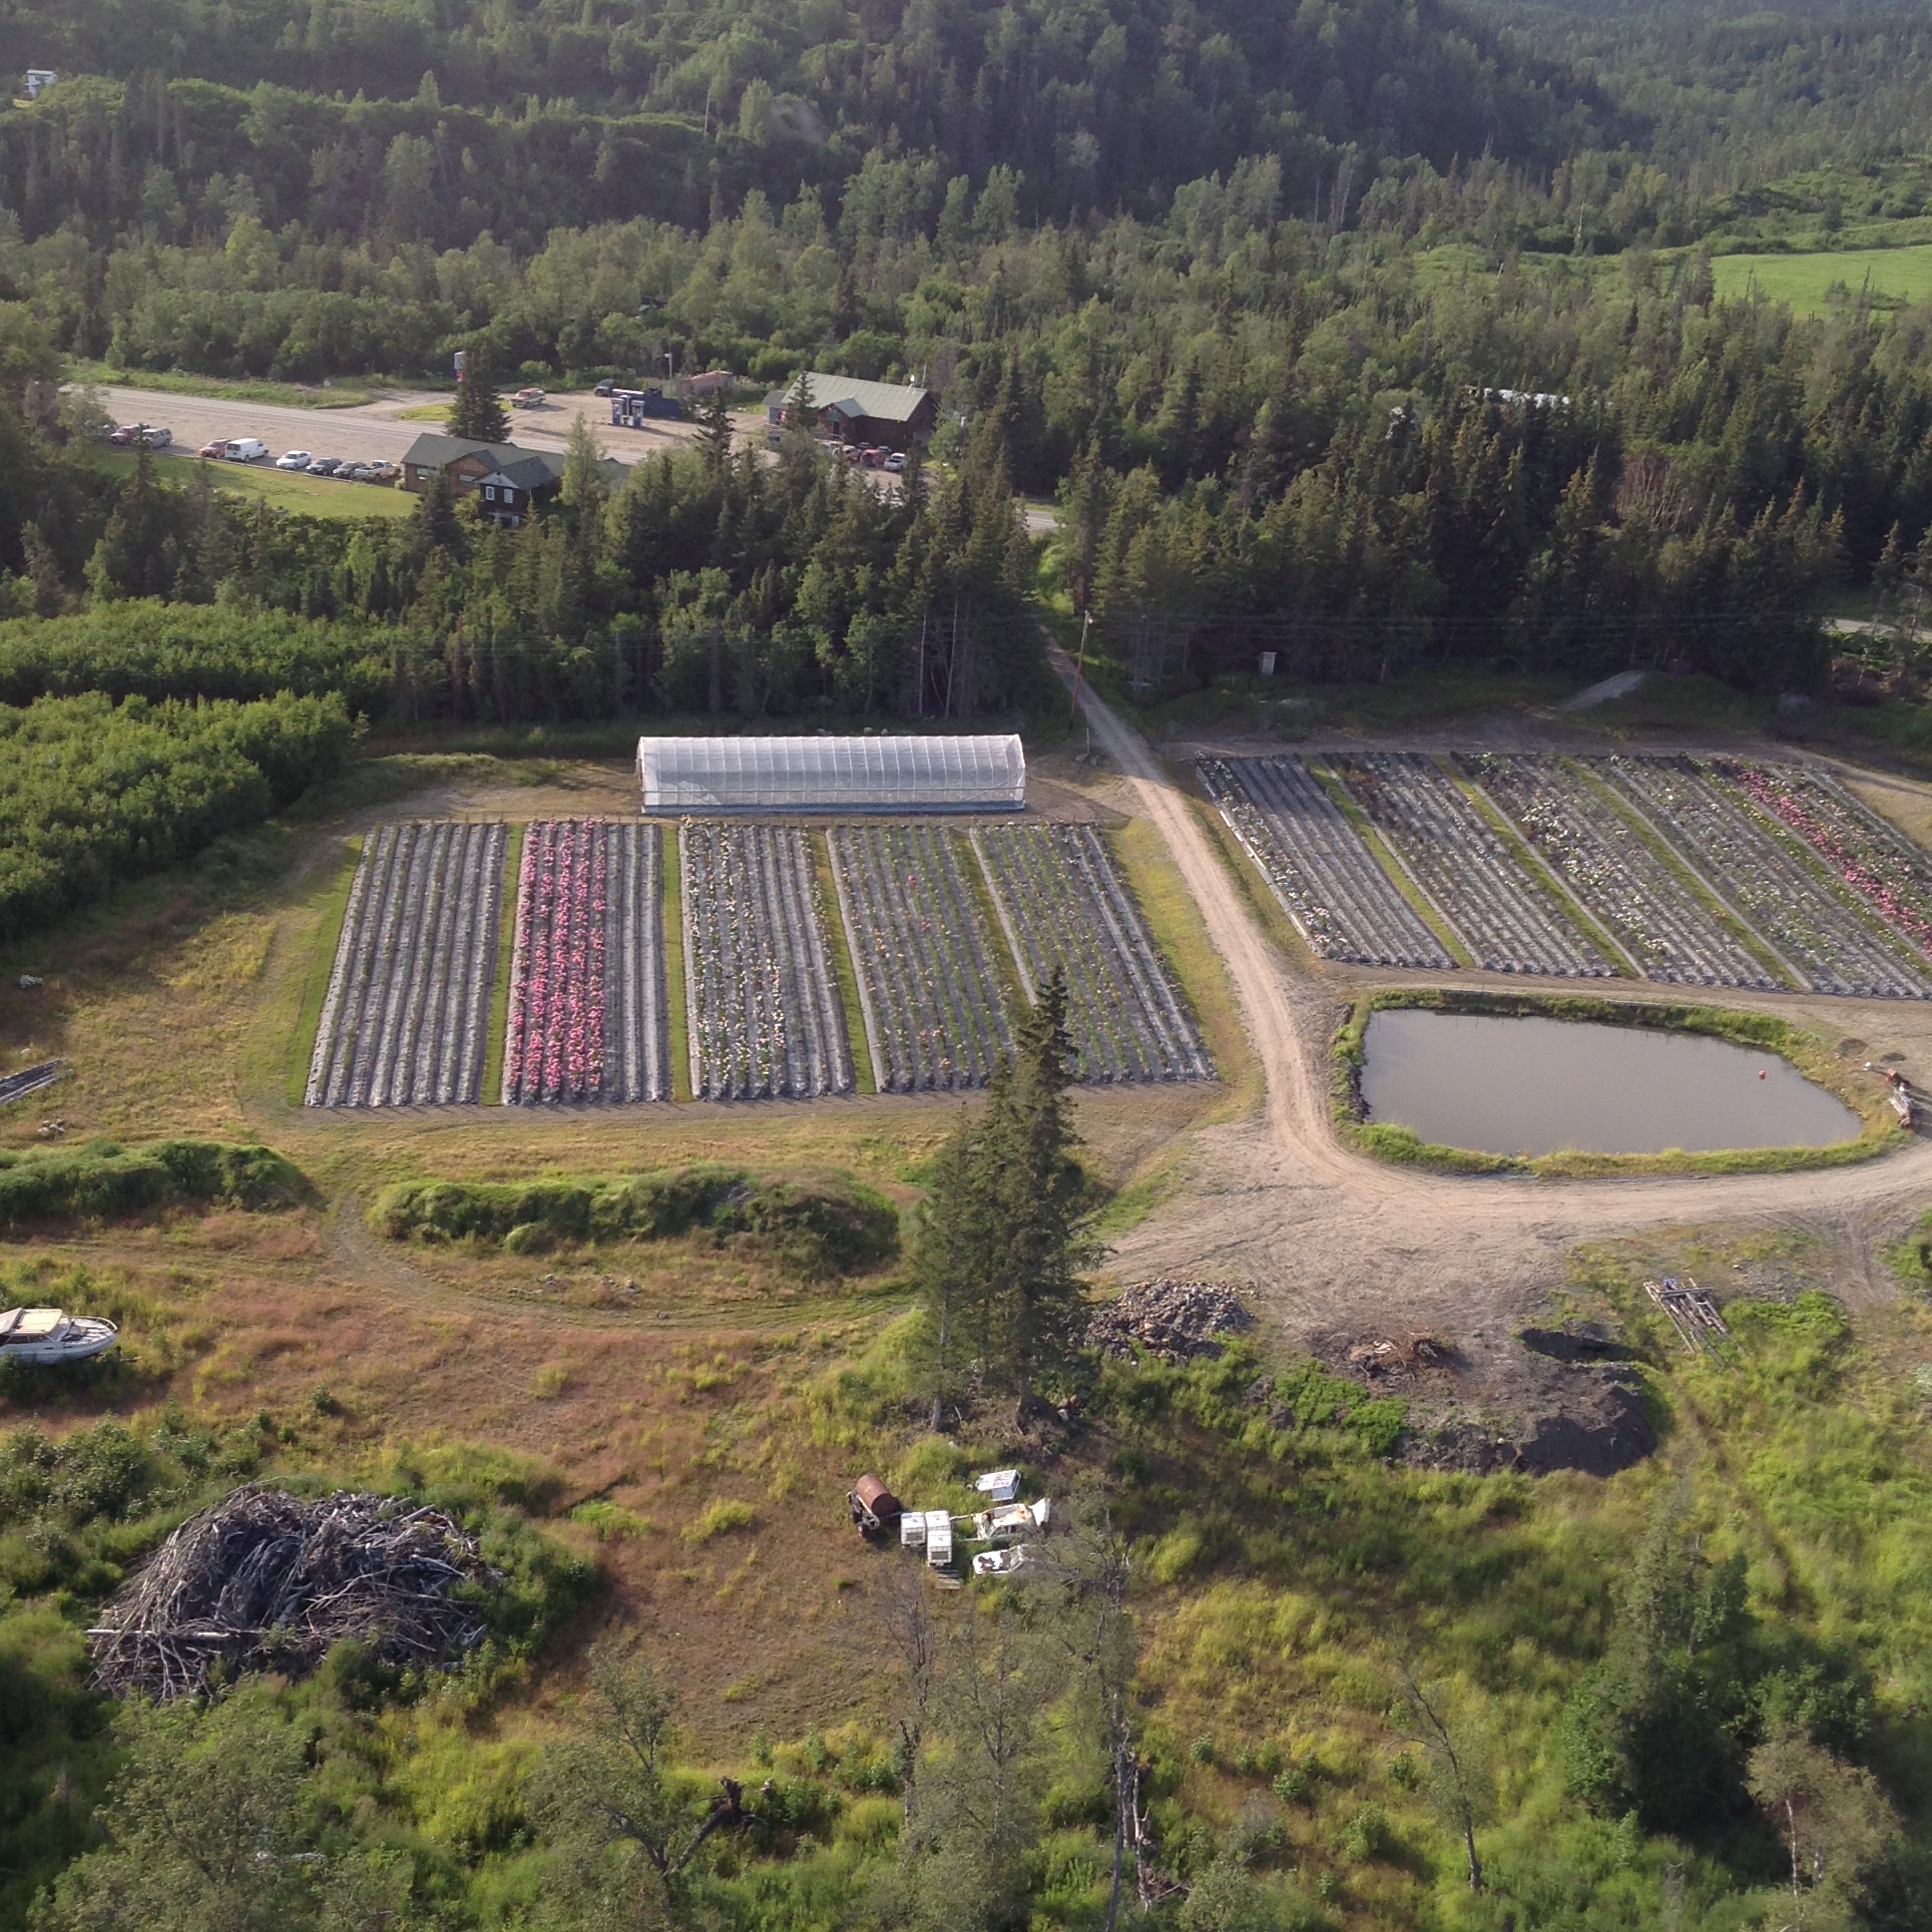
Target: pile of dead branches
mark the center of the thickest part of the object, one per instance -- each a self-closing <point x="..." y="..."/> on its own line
<point x="1176" y="1320"/>
<point x="269" y="1581"/>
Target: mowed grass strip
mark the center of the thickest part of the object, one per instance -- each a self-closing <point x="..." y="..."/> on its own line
<point x="676" y="988"/>
<point x="496" y="1036"/>
<point x="308" y="496"/>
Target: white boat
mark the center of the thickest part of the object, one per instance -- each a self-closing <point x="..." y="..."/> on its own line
<point x="46" y="1335"/>
<point x="1011" y="1521"/>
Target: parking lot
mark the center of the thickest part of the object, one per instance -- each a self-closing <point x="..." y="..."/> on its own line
<point x="377" y="431"/>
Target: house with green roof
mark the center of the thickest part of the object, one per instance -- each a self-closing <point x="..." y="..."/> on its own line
<point x="511" y="480"/>
<point x="893" y="415"/>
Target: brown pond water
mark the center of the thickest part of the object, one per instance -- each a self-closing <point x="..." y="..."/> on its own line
<point x="1532" y="1085"/>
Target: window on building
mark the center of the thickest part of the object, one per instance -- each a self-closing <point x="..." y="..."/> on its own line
<point x="489" y="493"/>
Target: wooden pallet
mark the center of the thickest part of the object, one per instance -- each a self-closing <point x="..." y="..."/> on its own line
<point x="1691" y="1312"/>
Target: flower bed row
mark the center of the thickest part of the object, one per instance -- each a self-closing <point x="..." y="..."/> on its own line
<point x="762" y="1002"/>
<point x="1673" y="937"/>
<point x="1819" y="928"/>
<point x="1067" y="909"/>
<point x="587" y="1009"/>
<point x="409" y="999"/>
<point x="1327" y="880"/>
<point x="923" y="955"/>
<point x="1508" y="922"/>
<point x="1852" y="841"/>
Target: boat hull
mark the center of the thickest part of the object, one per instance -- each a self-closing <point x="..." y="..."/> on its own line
<point x="80" y="1339"/>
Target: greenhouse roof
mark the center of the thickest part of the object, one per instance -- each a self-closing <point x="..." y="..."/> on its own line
<point x="910" y="774"/>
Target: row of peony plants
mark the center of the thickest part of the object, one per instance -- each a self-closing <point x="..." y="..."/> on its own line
<point x="1327" y="880"/>
<point x="923" y="955"/>
<point x="1601" y="854"/>
<point x="1815" y="925"/>
<point x="1453" y="853"/>
<point x="1067" y="910"/>
<point x="765" y="1012"/>
<point x="407" y="1006"/>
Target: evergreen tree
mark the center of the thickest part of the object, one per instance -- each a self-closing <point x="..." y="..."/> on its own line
<point x="435" y="525"/>
<point x="1004" y="1232"/>
<point x="476" y="415"/>
<point x="1036" y="1195"/>
<point x="585" y="489"/>
<point x="715" y="436"/>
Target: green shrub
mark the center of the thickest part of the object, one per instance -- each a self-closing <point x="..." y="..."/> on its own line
<point x="92" y="792"/>
<point x="812" y="1229"/>
<point x="1367" y="1837"/>
<point x="101" y="1179"/>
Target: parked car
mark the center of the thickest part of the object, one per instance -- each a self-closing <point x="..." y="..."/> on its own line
<point x="606" y="387"/>
<point x="294" y="459"/>
<point x="247" y="449"/>
<point x="216" y="451"/>
<point x="123" y="435"/>
<point x="895" y="462"/>
<point x="156" y="438"/>
<point x="352" y="473"/>
<point x="528" y="398"/>
<point x="326" y="466"/>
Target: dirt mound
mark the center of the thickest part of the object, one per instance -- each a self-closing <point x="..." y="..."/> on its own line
<point x="1544" y="1400"/>
<point x="1590" y="1419"/>
<point x="1174" y="1320"/>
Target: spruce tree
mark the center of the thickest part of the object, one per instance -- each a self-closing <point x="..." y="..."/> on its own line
<point x="715" y="436"/>
<point x="476" y="415"/>
<point x="1039" y="1216"/>
<point x="1005" y="1231"/>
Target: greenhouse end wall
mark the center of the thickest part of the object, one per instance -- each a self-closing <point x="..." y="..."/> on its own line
<point x="983" y="773"/>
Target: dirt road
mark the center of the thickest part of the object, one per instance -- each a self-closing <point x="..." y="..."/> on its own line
<point x="1340" y="1243"/>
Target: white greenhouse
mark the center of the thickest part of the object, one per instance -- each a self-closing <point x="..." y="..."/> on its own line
<point x="909" y="774"/>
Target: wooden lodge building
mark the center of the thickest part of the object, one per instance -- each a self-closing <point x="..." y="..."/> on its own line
<point x="511" y="480"/>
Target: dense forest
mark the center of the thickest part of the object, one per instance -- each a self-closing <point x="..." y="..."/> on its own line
<point x="1261" y="298"/>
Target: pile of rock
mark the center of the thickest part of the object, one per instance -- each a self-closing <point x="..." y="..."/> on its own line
<point x="1174" y="1320"/>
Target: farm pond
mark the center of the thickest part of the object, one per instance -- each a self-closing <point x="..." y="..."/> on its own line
<point x="1507" y="1084"/>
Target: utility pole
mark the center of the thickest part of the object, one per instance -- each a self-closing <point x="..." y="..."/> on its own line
<point x="1080" y="665"/>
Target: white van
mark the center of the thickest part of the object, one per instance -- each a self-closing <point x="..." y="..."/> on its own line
<point x="247" y="449"/>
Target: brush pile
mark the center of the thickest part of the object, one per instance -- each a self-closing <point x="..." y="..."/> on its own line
<point x="1174" y="1320"/>
<point x="269" y="1581"/>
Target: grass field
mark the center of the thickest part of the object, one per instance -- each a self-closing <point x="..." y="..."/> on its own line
<point x="308" y="496"/>
<point x="342" y="393"/>
<point x="1805" y="281"/>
